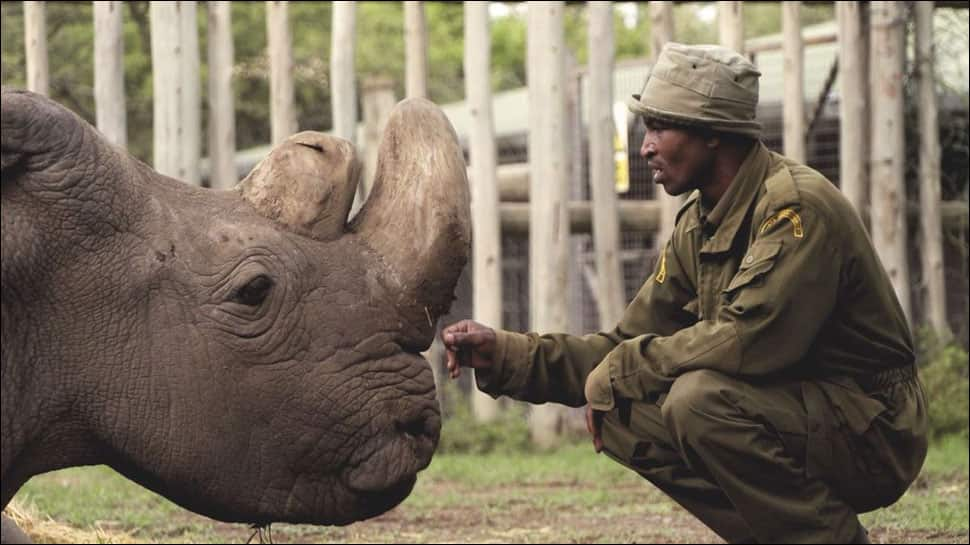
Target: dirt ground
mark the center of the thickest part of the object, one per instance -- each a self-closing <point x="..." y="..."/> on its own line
<point x="488" y="516"/>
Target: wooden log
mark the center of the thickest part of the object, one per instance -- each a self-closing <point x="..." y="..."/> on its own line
<point x="548" y="220"/>
<point x="175" y="73"/>
<point x="640" y="216"/>
<point x="486" y="239"/>
<point x="887" y="160"/>
<point x="610" y="295"/>
<point x="931" y="239"/>
<point x="853" y="109"/>
<point x="793" y="106"/>
<point x="662" y="31"/>
<point x="109" y="72"/>
<point x="378" y="101"/>
<point x="343" y="91"/>
<point x="35" y="43"/>
<point x="730" y="17"/>
<point x="416" y="50"/>
<point x="222" y="122"/>
<point x="279" y="44"/>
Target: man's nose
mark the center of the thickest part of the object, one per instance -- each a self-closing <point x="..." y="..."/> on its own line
<point x="649" y="148"/>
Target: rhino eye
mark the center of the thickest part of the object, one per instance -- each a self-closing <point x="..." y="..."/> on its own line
<point x="254" y="292"/>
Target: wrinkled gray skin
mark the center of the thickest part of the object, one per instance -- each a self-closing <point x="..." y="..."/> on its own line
<point x="247" y="353"/>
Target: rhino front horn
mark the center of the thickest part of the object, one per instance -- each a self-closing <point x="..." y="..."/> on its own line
<point x="307" y="184"/>
<point x="417" y="215"/>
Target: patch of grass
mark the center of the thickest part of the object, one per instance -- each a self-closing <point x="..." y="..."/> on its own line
<point x="572" y="463"/>
<point x="569" y="494"/>
<point x="945" y="372"/>
<point x="948" y="458"/>
<point x="937" y="501"/>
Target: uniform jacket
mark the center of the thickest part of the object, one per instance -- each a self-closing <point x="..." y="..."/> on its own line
<point x="779" y="281"/>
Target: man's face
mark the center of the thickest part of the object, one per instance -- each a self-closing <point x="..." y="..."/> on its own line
<point x="681" y="160"/>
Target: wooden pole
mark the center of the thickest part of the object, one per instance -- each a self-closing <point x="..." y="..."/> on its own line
<point x="175" y="72"/>
<point x="548" y="222"/>
<point x="730" y="16"/>
<point x="853" y="109"/>
<point x="343" y="92"/>
<point x="282" y="107"/>
<point x="487" y="240"/>
<point x="416" y="50"/>
<point x="931" y="251"/>
<point x="109" y="72"/>
<point x="35" y="40"/>
<point x="888" y="191"/>
<point x="222" y="122"/>
<point x="610" y="296"/>
<point x="794" y="94"/>
<point x="378" y="101"/>
<point x="662" y="31"/>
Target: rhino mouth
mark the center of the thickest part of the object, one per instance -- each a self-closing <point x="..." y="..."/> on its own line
<point x="403" y="446"/>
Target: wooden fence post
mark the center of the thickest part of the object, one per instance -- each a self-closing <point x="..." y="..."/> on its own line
<point x="486" y="234"/>
<point x="661" y="32"/>
<point x="853" y="109"/>
<point x="175" y="73"/>
<point x="109" y="72"/>
<point x="888" y="191"/>
<point x="35" y="40"/>
<point x="282" y="107"/>
<point x="610" y="295"/>
<point x="222" y="121"/>
<point x="343" y="92"/>
<point x="794" y="95"/>
<point x="378" y="100"/>
<point x="416" y="50"/>
<point x="730" y="16"/>
<point x="548" y="220"/>
<point x="931" y="227"/>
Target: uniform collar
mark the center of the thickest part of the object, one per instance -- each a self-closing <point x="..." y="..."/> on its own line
<point x="723" y="222"/>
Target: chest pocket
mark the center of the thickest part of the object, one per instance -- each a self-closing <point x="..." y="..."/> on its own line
<point x="759" y="260"/>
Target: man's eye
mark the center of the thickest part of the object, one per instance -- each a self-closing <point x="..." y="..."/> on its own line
<point x="253" y="292"/>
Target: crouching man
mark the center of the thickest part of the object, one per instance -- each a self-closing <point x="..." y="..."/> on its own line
<point x="764" y="375"/>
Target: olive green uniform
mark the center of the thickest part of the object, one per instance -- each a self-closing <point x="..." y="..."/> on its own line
<point x="764" y="375"/>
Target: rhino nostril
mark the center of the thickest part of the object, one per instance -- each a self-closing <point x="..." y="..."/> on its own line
<point x="415" y="427"/>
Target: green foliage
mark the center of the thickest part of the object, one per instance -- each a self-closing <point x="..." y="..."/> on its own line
<point x="461" y="433"/>
<point x="944" y="372"/>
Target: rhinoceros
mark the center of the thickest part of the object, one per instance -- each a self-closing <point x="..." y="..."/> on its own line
<point x="247" y="353"/>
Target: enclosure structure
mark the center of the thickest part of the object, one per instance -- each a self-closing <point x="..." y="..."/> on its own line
<point x="814" y="91"/>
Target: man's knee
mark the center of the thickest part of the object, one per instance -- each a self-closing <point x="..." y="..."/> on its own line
<point x="694" y="398"/>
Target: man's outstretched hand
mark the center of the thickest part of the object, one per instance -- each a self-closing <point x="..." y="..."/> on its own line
<point x="468" y="344"/>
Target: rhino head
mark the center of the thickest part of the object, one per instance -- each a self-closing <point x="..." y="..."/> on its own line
<point x="248" y="354"/>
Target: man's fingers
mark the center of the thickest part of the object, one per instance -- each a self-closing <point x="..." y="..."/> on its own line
<point x="453" y="369"/>
<point x="464" y="338"/>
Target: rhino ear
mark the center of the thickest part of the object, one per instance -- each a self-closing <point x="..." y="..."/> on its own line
<point x="39" y="134"/>
<point x="51" y="152"/>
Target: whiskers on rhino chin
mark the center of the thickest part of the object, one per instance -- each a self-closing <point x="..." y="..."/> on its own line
<point x="264" y="531"/>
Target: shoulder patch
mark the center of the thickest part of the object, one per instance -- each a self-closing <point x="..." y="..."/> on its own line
<point x="786" y="214"/>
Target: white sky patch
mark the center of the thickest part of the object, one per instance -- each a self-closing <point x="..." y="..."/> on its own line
<point x="497" y="9"/>
<point x="707" y="13"/>
<point x="628" y="10"/>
